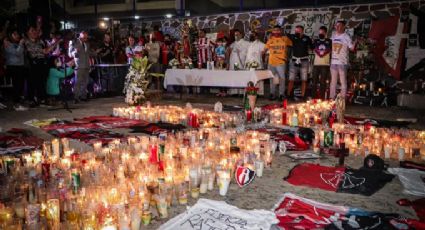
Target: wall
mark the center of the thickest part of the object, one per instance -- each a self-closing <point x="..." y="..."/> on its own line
<point x="310" y="17"/>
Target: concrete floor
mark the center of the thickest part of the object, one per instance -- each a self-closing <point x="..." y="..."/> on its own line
<point x="264" y="192"/>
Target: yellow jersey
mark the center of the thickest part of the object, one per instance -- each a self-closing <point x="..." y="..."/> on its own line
<point x="278" y="50"/>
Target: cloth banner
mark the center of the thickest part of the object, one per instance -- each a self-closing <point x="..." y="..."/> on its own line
<point x="295" y="212"/>
<point x="338" y="179"/>
<point x="390" y="43"/>
<point x="157" y="128"/>
<point x="413" y="180"/>
<point x="210" y="214"/>
<point x="18" y="141"/>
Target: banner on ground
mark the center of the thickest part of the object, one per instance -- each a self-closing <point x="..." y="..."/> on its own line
<point x="210" y="214"/>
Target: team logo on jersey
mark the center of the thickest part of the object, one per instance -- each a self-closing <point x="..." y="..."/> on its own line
<point x="244" y="176"/>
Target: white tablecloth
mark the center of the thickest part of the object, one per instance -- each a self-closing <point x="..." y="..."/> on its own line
<point x="214" y="78"/>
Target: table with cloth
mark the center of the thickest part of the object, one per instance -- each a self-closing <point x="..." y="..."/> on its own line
<point x="216" y="78"/>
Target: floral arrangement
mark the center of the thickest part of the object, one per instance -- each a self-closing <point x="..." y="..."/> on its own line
<point x="251" y="89"/>
<point x="174" y="63"/>
<point x="136" y="82"/>
<point x="187" y="63"/>
<point x="250" y="96"/>
<point x="252" y="65"/>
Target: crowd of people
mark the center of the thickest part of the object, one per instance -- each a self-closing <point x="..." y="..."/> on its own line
<point x="36" y="67"/>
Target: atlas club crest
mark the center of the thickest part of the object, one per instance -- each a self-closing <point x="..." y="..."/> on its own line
<point x="244" y="176"/>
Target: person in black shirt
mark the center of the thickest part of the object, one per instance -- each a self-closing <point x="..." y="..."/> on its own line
<point x="322" y="53"/>
<point x="106" y="50"/>
<point x="299" y="63"/>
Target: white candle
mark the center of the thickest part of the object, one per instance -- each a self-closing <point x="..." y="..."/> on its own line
<point x="401" y="152"/>
<point x="135" y="219"/>
<point x="56" y="148"/>
<point x="224" y="183"/>
<point x="387" y="151"/>
<point x="259" y="167"/>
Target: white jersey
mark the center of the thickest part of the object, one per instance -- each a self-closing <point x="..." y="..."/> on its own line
<point x="238" y="55"/>
<point x="341" y="45"/>
<point x="254" y="53"/>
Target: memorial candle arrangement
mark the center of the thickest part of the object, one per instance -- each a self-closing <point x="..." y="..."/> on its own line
<point x="194" y="118"/>
<point x="399" y="144"/>
<point x="306" y="114"/>
<point x="125" y="184"/>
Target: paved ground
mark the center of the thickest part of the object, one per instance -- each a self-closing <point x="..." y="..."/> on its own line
<point x="264" y="192"/>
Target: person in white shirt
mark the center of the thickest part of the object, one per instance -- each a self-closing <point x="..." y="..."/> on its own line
<point x="238" y="50"/>
<point x="255" y="50"/>
<point x="341" y="45"/>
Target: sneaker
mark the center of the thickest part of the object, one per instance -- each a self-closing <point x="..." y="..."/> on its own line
<point x="20" y="108"/>
<point x="2" y="106"/>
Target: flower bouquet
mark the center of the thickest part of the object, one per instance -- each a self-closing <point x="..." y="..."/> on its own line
<point x="136" y="82"/>
<point x="252" y="65"/>
<point x="250" y="96"/>
<point x="187" y="63"/>
<point x="174" y="63"/>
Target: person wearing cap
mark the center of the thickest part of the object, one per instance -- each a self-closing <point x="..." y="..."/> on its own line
<point x="278" y="47"/>
<point x="341" y="45"/>
<point x="299" y="63"/>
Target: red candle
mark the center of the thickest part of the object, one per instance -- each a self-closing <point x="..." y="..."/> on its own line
<point x="285" y="104"/>
<point x="284" y="118"/>
<point x="45" y="170"/>
<point x="153" y="158"/>
<point x="248" y="115"/>
<point x="367" y="126"/>
<point x="75" y="156"/>
<point x="193" y="120"/>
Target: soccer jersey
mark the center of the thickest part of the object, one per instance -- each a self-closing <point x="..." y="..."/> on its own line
<point x="322" y="51"/>
<point x="204" y="50"/>
<point x="341" y="43"/>
<point x="277" y="47"/>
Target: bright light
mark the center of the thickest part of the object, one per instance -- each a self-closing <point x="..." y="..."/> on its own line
<point x="136" y="17"/>
<point x="102" y="25"/>
<point x="106" y="18"/>
<point x="168" y="15"/>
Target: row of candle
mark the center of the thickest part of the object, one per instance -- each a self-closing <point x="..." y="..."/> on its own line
<point x="399" y="144"/>
<point x="303" y="114"/>
<point x="177" y="115"/>
<point x="123" y="185"/>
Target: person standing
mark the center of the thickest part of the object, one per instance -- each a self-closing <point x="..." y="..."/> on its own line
<point x="238" y="50"/>
<point x="299" y="63"/>
<point x="255" y="49"/>
<point x="341" y="45"/>
<point x="15" y="68"/>
<point x="79" y="49"/>
<point x="322" y="55"/>
<point x="37" y="53"/>
<point x="130" y="49"/>
<point x="106" y="50"/>
<point x="204" y="48"/>
<point x="278" y="47"/>
<point x="167" y="51"/>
